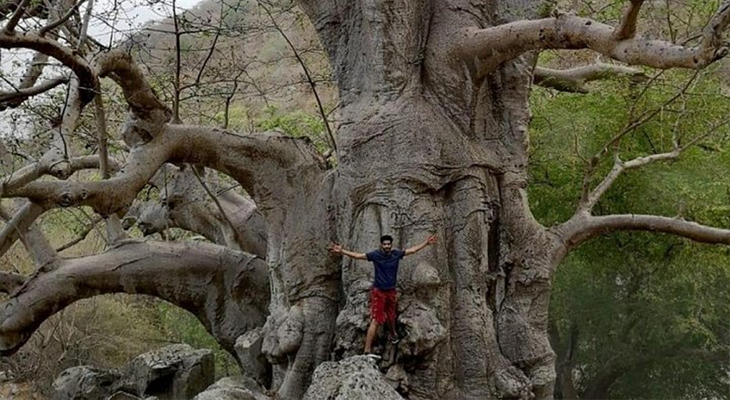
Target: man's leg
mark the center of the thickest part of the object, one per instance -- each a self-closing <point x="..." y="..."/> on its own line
<point x="391" y="310"/>
<point x="372" y="330"/>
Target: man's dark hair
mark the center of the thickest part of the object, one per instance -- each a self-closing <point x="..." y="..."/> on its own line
<point x="386" y="238"/>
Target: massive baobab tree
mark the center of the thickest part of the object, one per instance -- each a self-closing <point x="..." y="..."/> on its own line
<point x="433" y="138"/>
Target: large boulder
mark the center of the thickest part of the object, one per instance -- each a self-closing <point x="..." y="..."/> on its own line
<point x="238" y="388"/>
<point x="354" y="378"/>
<point x="171" y="373"/>
<point x="85" y="383"/>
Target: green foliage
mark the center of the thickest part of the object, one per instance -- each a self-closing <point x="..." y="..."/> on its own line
<point x="180" y="326"/>
<point x="653" y="307"/>
<point x="296" y="123"/>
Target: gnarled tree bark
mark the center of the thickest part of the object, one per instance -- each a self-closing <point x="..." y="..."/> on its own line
<point x="433" y="139"/>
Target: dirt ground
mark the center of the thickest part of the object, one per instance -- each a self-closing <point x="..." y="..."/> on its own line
<point x="17" y="391"/>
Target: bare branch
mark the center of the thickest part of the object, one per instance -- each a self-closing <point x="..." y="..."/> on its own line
<point x="13" y="99"/>
<point x="19" y="227"/>
<point x="85" y="27"/>
<point x="88" y="80"/>
<point x="61" y="20"/>
<point x="618" y="168"/>
<point x="574" y="79"/>
<point x="15" y="18"/>
<point x="227" y="290"/>
<point x="495" y="45"/>
<point x="627" y="28"/>
<point x="585" y="202"/>
<point x="101" y="132"/>
<point x="583" y="227"/>
<point x="330" y="136"/>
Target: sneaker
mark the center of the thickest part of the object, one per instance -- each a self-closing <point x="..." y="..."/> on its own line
<point x="373" y="356"/>
<point x="394" y="339"/>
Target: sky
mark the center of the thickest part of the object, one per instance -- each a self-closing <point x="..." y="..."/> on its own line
<point x="105" y="26"/>
<point x="130" y="16"/>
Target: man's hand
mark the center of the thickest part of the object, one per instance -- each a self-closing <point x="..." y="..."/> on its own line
<point x="335" y="248"/>
<point x="415" y="249"/>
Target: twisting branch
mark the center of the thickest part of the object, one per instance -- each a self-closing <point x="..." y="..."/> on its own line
<point x="574" y="79"/>
<point x="88" y="79"/>
<point x="33" y="171"/>
<point x="495" y="45"/>
<point x="627" y="28"/>
<point x="202" y="278"/>
<point x="259" y="162"/>
<point x="118" y="65"/>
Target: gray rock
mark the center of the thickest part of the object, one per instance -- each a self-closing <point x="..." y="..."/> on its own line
<point x="171" y="373"/>
<point x="85" y="383"/>
<point x="354" y="378"/>
<point x="238" y="388"/>
<point x="397" y="378"/>
<point x="248" y="349"/>
<point x="123" y="396"/>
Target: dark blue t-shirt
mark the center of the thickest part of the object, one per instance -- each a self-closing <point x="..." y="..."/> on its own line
<point x="386" y="267"/>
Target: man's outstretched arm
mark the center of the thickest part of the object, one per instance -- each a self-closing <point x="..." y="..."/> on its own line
<point x="337" y="249"/>
<point x="415" y="249"/>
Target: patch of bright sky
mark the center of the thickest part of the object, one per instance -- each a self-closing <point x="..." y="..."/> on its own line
<point x="112" y="21"/>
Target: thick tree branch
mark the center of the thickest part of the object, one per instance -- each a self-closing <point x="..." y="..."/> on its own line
<point x="583" y="227"/>
<point x="262" y="163"/>
<point x="574" y="79"/>
<point x="184" y="204"/>
<point x="61" y="170"/>
<point x="495" y="45"/>
<point x="145" y="106"/>
<point x="227" y="290"/>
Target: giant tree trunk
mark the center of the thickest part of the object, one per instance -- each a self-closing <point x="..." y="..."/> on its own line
<point x="427" y="146"/>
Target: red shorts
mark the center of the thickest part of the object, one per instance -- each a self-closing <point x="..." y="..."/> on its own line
<point x="383" y="304"/>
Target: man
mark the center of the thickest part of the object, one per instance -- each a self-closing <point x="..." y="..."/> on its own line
<point x="383" y="303"/>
